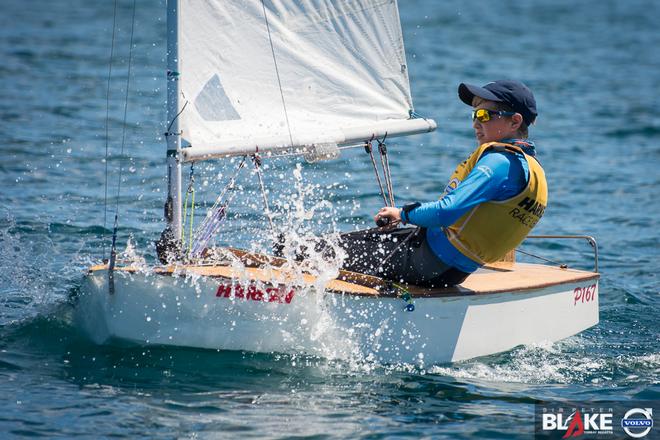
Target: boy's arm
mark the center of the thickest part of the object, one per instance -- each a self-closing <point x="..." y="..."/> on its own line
<point x="486" y="182"/>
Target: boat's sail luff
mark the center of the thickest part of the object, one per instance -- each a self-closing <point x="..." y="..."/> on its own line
<point x="341" y="65"/>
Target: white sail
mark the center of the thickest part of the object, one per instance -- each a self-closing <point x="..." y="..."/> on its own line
<point x="290" y="73"/>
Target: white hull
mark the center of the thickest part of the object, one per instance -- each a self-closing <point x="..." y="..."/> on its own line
<point x="185" y="311"/>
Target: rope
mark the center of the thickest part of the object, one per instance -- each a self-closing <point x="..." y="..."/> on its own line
<point x="222" y="194"/>
<point x="404" y="241"/>
<point x="107" y="129"/>
<point x="185" y="216"/>
<point x="113" y="250"/>
<point x="192" y="218"/>
<point x="563" y="265"/>
<point x="257" y="166"/>
<point x="277" y="72"/>
<point x="189" y="191"/>
<point x="368" y="149"/>
<point x="407" y="297"/>
<point x="169" y="127"/>
<point x="385" y="162"/>
<point x="386" y="178"/>
<point x="388" y="198"/>
<point x="211" y="222"/>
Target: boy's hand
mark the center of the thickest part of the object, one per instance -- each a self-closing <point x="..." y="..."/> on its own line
<point x="393" y="215"/>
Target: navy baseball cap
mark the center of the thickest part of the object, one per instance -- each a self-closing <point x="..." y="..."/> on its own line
<point x="513" y="93"/>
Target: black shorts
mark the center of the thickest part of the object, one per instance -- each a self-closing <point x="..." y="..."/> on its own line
<point x="401" y="255"/>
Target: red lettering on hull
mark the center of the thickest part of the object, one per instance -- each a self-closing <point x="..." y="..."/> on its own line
<point x="270" y="294"/>
<point x="584" y="294"/>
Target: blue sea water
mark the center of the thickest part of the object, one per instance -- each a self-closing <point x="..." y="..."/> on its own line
<point x="594" y="67"/>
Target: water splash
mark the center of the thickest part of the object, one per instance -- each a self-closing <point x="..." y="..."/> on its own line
<point x="131" y="255"/>
<point x="27" y="272"/>
<point x="308" y="328"/>
<point x="570" y="361"/>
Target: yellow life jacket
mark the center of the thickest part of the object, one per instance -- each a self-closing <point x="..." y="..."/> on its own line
<point x="491" y="229"/>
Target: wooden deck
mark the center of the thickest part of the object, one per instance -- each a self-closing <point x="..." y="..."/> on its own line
<point x="506" y="277"/>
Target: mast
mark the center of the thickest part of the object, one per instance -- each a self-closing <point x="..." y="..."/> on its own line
<point x="173" y="135"/>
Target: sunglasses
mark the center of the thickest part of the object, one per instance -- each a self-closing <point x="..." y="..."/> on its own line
<point x="483" y="115"/>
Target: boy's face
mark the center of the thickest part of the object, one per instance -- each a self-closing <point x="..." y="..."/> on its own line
<point x="497" y="128"/>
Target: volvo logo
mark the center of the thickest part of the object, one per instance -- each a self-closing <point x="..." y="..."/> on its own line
<point x="638" y="422"/>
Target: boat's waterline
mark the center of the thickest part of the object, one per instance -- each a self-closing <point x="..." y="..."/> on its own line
<point x="207" y="312"/>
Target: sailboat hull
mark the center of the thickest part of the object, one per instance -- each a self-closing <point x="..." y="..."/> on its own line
<point x="214" y="313"/>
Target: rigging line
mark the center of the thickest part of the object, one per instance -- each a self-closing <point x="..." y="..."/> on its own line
<point x="277" y="72"/>
<point x="542" y="258"/>
<point x="107" y="130"/>
<point x="212" y="227"/>
<point x="385" y="162"/>
<point x="217" y="216"/>
<point x="404" y="241"/>
<point x="389" y="178"/>
<point x="190" y="189"/>
<point x="368" y="149"/>
<point x="169" y="127"/>
<point x="113" y="250"/>
<point x="257" y="166"/>
<point x="192" y="219"/>
<point x="222" y="194"/>
<point x="207" y="228"/>
<point x="383" y="150"/>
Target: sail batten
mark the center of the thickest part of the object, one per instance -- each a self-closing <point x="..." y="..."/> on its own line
<point x="340" y="63"/>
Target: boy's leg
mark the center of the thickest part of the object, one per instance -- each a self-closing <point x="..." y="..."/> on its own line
<point x="400" y="255"/>
<point x="375" y="252"/>
<point x="423" y="268"/>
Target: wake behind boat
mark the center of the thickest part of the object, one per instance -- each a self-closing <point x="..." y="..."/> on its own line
<point x="330" y="76"/>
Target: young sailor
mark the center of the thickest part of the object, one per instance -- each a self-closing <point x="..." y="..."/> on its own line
<point x="491" y="203"/>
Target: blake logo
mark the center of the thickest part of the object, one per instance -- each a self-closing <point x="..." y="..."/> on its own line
<point x="580" y="421"/>
<point x="638" y="426"/>
<point x="556" y="422"/>
<point x="576" y="428"/>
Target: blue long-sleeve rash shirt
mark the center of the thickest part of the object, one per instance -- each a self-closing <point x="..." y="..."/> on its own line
<point x="495" y="176"/>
